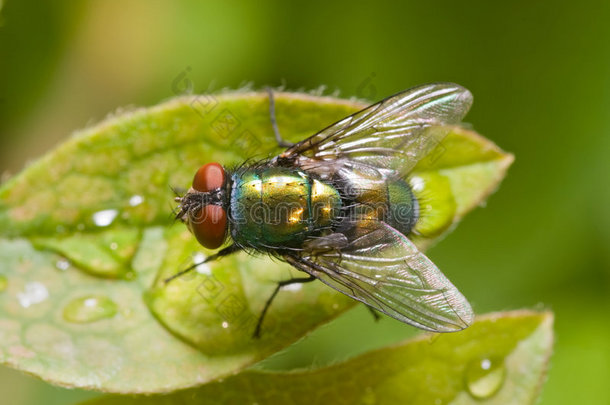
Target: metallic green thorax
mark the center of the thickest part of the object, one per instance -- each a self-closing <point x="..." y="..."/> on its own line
<point x="280" y="207"/>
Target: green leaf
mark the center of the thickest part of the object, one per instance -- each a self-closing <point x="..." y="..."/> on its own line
<point x="501" y="359"/>
<point x="86" y="238"/>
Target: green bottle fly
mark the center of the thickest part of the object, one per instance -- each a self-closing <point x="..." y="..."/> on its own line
<point x="337" y="206"/>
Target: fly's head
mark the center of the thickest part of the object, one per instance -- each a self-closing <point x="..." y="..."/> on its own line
<point x="202" y="207"/>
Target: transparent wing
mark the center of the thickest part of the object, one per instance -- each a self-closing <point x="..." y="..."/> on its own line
<point x="383" y="269"/>
<point x="394" y="133"/>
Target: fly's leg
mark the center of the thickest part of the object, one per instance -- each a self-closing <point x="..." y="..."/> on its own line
<point x="276" y="131"/>
<point x="373" y="312"/>
<point x="222" y="253"/>
<point x="281" y="284"/>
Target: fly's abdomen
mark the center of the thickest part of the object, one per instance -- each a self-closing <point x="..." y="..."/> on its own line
<point x="390" y="200"/>
<point x="403" y="207"/>
<point x="280" y="207"/>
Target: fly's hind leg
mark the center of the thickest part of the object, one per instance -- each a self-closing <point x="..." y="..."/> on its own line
<point x="334" y="241"/>
<point x="373" y="312"/>
<point x="281" y="284"/>
<point x="278" y="137"/>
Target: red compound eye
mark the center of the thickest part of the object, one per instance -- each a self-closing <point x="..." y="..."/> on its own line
<point x="209" y="226"/>
<point x="209" y="223"/>
<point x="209" y="177"/>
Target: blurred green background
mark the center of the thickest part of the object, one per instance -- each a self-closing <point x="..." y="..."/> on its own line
<point x="540" y="74"/>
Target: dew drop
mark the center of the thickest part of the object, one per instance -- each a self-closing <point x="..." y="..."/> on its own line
<point x="484" y="377"/>
<point x="136" y="200"/>
<point x="130" y="275"/>
<point x="105" y="217"/>
<point x="33" y="293"/>
<point x="198" y="258"/>
<point x="202" y="268"/>
<point x="62" y="264"/>
<point x="89" y="308"/>
<point x="3" y="283"/>
<point x="293" y="287"/>
<point x="417" y="183"/>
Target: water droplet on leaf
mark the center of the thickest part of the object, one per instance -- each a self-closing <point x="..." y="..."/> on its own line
<point x="136" y="200"/>
<point x="33" y="293"/>
<point x="105" y="217"/>
<point x="90" y="308"/>
<point x="202" y="268"/>
<point x="293" y="287"/>
<point x="417" y="183"/>
<point x="62" y="264"/>
<point x="484" y="377"/>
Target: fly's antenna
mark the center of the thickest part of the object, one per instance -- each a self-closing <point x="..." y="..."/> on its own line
<point x="178" y="191"/>
<point x="177" y="212"/>
<point x="174" y="214"/>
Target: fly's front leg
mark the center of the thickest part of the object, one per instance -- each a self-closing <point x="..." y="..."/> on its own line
<point x="222" y="253"/>
<point x="278" y="137"/>
<point x="281" y="284"/>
